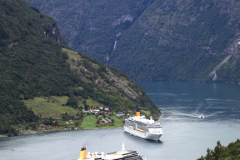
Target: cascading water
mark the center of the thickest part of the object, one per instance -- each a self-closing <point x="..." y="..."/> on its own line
<point x="114" y="47"/>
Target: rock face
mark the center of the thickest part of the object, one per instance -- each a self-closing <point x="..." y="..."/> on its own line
<point x="123" y="19"/>
<point x="12" y="44"/>
<point x="54" y="34"/>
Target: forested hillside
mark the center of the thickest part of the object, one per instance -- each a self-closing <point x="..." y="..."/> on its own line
<point x="93" y="26"/>
<point x="177" y="40"/>
<point x="220" y="152"/>
<point x="35" y="63"/>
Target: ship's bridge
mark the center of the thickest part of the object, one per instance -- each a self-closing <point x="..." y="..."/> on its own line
<point x="144" y="120"/>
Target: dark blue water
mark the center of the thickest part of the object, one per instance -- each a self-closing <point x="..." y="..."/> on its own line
<point x="186" y="136"/>
<point x="181" y="101"/>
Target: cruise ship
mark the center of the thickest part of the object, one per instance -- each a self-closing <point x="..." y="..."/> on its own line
<point x="142" y="127"/>
<point x="118" y="155"/>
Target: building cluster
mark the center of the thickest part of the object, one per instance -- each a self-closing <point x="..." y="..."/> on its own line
<point x="98" y="110"/>
<point x="46" y="127"/>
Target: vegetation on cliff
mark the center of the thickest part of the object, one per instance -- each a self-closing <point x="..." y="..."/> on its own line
<point x="35" y="63"/>
<point x="220" y="152"/>
<point x="179" y="40"/>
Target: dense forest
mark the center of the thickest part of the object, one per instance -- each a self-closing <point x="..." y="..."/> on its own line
<point x="35" y="62"/>
<point x="176" y="40"/>
<point x="220" y="152"/>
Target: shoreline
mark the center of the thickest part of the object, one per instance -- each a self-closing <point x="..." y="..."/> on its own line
<point x="53" y="131"/>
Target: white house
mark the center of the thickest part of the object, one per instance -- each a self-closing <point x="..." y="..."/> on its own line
<point x="83" y="110"/>
<point x="94" y="109"/>
<point x="119" y="114"/>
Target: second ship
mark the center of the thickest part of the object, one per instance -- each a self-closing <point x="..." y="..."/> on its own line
<point x="144" y="128"/>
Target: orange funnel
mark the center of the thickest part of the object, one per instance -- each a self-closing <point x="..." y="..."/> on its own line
<point x="83" y="154"/>
<point x="138" y="114"/>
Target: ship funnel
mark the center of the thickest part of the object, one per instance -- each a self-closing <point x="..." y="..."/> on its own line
<point x="83" y="154"/>
<point x="137" y="113"/>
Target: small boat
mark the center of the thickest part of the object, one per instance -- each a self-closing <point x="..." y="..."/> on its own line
<point x="201" y="116"/>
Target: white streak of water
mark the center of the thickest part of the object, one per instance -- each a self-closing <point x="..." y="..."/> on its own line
<point x="115" y="45"/>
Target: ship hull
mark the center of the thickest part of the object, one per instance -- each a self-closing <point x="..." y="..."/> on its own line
<point x="144" y="135"/>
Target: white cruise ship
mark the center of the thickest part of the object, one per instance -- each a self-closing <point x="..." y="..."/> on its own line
<point x="142" y="127"/>
<point x="119" y="155"/>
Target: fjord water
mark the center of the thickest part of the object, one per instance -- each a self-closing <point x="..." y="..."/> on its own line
<point x="186" y="135"/>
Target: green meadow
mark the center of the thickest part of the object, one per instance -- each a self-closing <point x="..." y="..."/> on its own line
<point x="54" y="107"/>
<point x="117" y="122"/>
<point x="89" y="122"/>
<point x="50" y="107"/>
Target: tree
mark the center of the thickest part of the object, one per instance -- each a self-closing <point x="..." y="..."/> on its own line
<point x="55" y="123"/>
<point x="72" y="101"/>
<point x="77" y="124"/>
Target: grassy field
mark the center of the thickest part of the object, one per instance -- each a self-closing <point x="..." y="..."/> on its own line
<point x="50" y="107"/>
<point x="147" y="113"/>
<point x="71" y="54"/>
<point x="92" y="103"/>
<point x="89" y="102"/>
<point x="89" y="122"/>
<point x="53" y="107"/>
<point x="117" y="122"/>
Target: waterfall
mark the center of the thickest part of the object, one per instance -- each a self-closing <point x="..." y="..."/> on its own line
<point x="115" y="44"/>
<point x="114" y="47"/>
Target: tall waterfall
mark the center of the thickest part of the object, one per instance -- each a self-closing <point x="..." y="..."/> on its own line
<point x="114" y="47"/>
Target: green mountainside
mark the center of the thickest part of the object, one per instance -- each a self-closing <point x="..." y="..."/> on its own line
<point x="35" y="63"/>
<point x="178" y="40"/>
<point x="92" y="26"/>
<point x="220" y="152"/>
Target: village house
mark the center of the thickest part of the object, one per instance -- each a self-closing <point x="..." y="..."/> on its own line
<point x="109" y="112"/>
<point x="119" y="114"/>
<point x="83" y="110"/>
<point x="47" y="127"/>
<point x="41" y="126"/>
<point x="94" y="109"/>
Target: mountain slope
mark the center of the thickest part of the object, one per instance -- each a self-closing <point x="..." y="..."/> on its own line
<point x="34" y="63"/>
<point x="182" y="40"/>
<point x="107" y="85"/>
<point x="93" y="26"/>
<point x="176" y="40"/>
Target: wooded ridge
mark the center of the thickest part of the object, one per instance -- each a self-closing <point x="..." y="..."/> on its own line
<point x="35" y="63"/>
